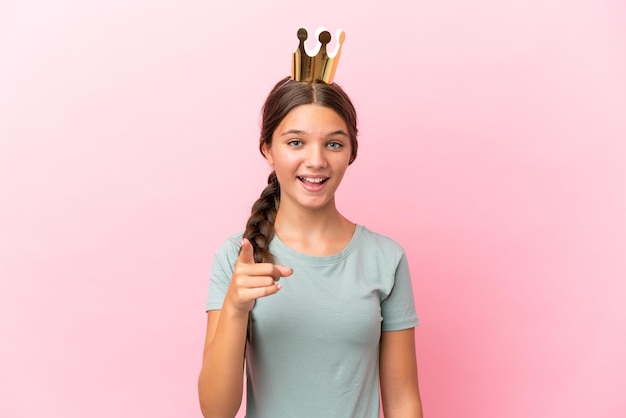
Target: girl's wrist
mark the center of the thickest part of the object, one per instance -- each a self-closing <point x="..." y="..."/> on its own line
<point x="233" y="313"/>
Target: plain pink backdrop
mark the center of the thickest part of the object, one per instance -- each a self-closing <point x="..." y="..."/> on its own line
<point x="491" y="147"/>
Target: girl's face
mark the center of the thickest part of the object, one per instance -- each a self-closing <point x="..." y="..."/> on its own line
<point x="310" y="152"/>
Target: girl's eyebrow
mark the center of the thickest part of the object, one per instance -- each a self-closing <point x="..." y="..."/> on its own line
<point x="300" y="132"/>
<point x="293" y="132"/>
<point x="338" y="132"/>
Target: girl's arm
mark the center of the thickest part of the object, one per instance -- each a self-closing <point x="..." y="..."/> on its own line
<point x="398" y="375"/>
<point x="220" y="384"/>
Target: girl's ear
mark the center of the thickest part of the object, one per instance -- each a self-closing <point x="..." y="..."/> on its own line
<point x="267" y="152"/>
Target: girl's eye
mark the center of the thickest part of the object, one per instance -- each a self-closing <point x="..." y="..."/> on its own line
<point x="334" y="145"/>
<point x="295" y="143"/>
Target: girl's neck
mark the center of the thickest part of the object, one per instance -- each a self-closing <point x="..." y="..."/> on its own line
<point x="320" y="232"/>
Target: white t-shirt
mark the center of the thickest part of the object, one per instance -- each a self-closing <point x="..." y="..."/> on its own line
<point x="315" y="344"/>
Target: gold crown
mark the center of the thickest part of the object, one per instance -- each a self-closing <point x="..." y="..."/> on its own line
<point x="318" y="66"/>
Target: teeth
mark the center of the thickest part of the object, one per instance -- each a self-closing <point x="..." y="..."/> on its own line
<point x="316" y="180"/>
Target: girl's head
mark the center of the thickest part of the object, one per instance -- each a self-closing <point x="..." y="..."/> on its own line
<point x="286" y="96"/>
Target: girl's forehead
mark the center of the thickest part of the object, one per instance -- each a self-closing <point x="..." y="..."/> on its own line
<point x="312" y="118"/>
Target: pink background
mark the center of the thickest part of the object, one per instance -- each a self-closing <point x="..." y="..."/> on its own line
<point x="491" y="147"/>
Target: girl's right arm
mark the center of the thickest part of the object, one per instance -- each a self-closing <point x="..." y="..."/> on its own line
<point x="220" y="385"/>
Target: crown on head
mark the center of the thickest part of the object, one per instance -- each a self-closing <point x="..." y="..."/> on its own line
<point x="318" y="66"/>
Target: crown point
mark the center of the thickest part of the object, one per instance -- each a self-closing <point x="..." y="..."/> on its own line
<point x="324" y="37"/>
<point x="302" y="34"/>
<point x="342" y="36"/>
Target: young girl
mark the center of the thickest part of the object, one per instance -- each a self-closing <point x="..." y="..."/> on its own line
<point x="319" y="309"/>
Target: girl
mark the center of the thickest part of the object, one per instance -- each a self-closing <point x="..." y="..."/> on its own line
<point x="319" y="309"/>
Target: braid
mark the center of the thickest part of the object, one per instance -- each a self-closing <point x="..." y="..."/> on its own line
<point x="260" y="226"/>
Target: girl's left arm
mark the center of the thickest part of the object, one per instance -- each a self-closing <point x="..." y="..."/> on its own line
<point x="398" y="375"/>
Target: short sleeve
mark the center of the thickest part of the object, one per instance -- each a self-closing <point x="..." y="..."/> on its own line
<point x="398" y="308"/>
<point x="222" y="271"/>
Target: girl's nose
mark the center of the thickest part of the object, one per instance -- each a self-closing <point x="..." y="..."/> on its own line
<point x="316" y="157"/>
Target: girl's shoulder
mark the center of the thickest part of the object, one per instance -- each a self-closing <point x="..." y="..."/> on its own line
<point x="228" y="251"/>
<point x="379" y="242"/>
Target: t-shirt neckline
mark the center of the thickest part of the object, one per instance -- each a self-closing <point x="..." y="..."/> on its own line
<point x="277" y="244"/>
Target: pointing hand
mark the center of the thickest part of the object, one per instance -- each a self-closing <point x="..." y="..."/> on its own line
<point x="251" y="280"/>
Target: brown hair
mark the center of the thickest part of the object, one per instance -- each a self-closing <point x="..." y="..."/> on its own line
<point x="284" y="97"/>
